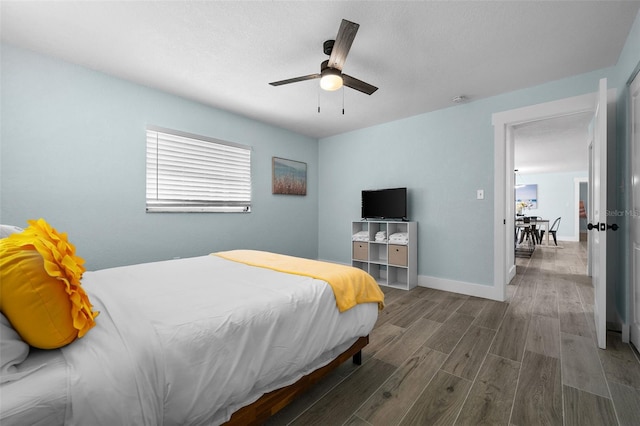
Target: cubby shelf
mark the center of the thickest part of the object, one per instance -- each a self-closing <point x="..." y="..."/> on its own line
<point x="392" y="265"/>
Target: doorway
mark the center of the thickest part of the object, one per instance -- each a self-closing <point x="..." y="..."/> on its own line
<point x="551" y="156"/>
<point x="599" y="131"/>
<point x="505" y="124"/>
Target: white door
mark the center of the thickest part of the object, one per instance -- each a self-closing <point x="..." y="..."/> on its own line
<point x="635" y="212"/>
<point x="597" y="213"/>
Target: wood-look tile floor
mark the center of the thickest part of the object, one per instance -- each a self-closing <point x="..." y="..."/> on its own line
<point x="442" y="358"/>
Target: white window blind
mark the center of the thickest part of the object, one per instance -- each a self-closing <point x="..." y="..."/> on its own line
<point x="190" y="173"/>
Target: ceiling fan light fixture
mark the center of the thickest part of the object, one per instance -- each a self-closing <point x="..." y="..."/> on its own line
<point x="331" y="79"/>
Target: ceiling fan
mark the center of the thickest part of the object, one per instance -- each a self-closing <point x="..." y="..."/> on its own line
<point x="331" y="76"/>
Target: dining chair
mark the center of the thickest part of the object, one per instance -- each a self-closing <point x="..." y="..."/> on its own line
<point x="523" y="230"/>
<point x="529" y="232"/>
<point x="553" y="230"/>
<point x="535" y="230"/>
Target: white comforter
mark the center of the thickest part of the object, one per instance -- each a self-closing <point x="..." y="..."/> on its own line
<point x="190" y="341"/>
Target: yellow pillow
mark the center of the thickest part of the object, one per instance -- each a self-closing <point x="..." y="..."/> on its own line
<point x="40" y="289"/>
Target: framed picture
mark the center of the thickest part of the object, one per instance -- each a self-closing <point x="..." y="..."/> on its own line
<point x="289" y="177"/>
<point x="527" y="195"/>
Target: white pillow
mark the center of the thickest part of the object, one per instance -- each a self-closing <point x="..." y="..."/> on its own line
<point x="13" y="350"/>
<point x="6" y="230"/>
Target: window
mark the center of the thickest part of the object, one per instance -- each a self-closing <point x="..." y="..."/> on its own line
<point x="189" y="173"/>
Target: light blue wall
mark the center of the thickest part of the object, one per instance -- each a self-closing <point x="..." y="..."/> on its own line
<point x="73" y="152"/>
<point x="556" y="198"/>
<point x="443" y="157"/>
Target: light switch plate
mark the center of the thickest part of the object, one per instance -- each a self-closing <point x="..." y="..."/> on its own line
<point x="480" y="195"/>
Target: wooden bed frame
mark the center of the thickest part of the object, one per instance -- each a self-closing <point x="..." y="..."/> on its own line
<point x="272" y="402"/>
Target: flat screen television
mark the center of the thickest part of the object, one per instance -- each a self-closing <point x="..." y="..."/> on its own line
<point x="388" y="203"/>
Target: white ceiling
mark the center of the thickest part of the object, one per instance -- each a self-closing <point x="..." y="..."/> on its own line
<point x="420" y="54"/>
<point x="552" y="146"/>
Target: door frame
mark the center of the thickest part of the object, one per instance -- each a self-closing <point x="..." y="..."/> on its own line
<point x="599" y="146"/>
<point x="503" y="124"/>
<point x="630" y="330"/>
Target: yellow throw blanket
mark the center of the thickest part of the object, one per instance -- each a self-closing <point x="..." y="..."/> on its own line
<point x="350" y="285"/>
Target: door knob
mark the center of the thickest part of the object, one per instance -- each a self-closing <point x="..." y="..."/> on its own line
<point x="602" y="227"/>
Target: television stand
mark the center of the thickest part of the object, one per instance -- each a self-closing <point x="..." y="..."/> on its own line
<point x="391" y="264"/>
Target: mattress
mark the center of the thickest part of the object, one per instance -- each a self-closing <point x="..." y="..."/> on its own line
<point x="186" y="341"/>
<point x="39" y="398"/>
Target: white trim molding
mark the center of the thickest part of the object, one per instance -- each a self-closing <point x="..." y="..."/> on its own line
<point x="461" y="287"/>
<point x="503" y="123"/>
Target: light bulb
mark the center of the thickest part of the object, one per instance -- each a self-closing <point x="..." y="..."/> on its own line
<point x="331" y="80"/>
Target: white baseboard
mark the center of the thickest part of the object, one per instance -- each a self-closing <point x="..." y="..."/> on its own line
<point x="469" y="289"/>
<point x="512" y="273"/>
<point x="620" y="325"/>
<point x="333" y="261"/>
<point x="626" y="333"/>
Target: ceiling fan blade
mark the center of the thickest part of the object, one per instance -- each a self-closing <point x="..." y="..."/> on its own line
<point x="295" y="80"/>
<point x="344" y="39"/>
<point x="358" y="85"/>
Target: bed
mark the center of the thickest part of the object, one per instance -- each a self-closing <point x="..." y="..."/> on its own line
<point x="200" y="341"/>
